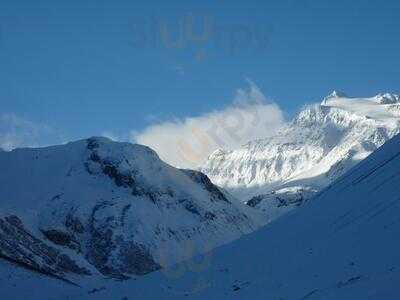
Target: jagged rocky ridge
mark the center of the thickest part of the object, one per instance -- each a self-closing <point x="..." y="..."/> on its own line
<point x="97" y="207"/>
<point x="324" y="141"/>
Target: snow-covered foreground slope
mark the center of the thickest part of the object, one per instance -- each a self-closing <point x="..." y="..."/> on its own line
<point x="342" y="245"/>
<point x="322" y="143"/>
<point x="101" y="208"/>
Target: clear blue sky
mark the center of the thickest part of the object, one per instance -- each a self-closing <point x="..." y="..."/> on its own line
<point x="86" y="66"/>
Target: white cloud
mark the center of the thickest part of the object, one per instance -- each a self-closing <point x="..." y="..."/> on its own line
<point x="188" y="142"/>
<point x="16" y="132"/>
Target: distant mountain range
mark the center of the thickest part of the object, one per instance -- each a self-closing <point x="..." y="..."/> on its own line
<point x="323" y="142"/>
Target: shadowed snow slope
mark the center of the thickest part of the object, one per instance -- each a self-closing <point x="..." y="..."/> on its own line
<point x="342" y="245"/>
<point x="97" y="207"/>
<point x="322" y="143"/>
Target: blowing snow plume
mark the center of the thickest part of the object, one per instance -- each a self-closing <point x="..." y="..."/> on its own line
<point x="17" y="132"/>
<point x="188" y="142"/>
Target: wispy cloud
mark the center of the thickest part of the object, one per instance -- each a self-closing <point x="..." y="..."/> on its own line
<point x="188" y="142"/>
<point x="16" y="132"/>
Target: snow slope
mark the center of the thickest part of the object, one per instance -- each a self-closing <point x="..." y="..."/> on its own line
<point x="322" y="143"/>
<point x="342" y="245"/>
<point x="102" y="208"/>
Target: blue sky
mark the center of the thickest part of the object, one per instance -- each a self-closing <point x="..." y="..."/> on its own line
<point x="86" y="67"/>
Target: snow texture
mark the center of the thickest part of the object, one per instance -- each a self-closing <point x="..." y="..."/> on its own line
<point x="342" y="245"/>
<point x="101" y="208"/>
<point x="323" y="142"/>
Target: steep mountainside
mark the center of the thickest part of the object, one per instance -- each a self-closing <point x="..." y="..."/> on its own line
<point x="341" y="245"/>
<point x="106" y="208"/>
<point x="319" y="145"/>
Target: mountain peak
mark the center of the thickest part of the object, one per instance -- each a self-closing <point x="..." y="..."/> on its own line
<point x="387" y="98"/>
<point x="111" y="208"/>
<point x="319" y="145"/>
<point x="334" y="94"/>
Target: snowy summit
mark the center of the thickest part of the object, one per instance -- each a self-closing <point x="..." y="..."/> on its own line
<point x="321" y="143"/>
<point x="100" y="208"/>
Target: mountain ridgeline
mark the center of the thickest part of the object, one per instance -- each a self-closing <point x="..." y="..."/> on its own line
<point x="321" y="144"/>
<point x="98" y="207"/>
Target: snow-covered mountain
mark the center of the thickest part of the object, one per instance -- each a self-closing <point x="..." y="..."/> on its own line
<point x="342" y="245"/>
<point x="97" y="207"/>
<point x="323" y="142"/>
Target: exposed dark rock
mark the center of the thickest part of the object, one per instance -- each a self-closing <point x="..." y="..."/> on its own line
<point x="62" y="239"/>
<point x="253" y="202"/>
<point x="190" y="206"/>
<point x="203" y="179"/>
<point x="133" y="258"/>
<point x="92" y="144"/>
<point x="210" y="216"/>
<point x="74" y="224"/>
<point x="349" y="281"/>
<point x="289" y="198"/>
<point x="120" y="179"/>
<point x="109" y="168"/>
<point x="136" y="259"/>
<point x="96" y="290"/>
<point x="19" y="245"/>
<point x="124" y="213"/>
<point x="100" y="244"/>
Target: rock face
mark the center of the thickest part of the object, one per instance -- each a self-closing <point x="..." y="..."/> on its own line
<point x="322" y="143"/>
<point x="101" y="207"/>
<point x="20" y="246"/>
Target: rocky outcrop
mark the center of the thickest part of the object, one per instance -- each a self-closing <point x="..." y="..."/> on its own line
<point x="19" y="245"/>
<point x="203" y="180"/>
<point x="103" y="243"/>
